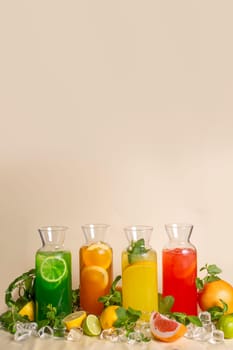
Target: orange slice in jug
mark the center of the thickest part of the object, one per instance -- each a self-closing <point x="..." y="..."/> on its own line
<point x="98" y="254"/>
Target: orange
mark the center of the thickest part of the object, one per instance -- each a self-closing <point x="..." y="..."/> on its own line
<point x="165" y="329"/>
<point x="212" y="292"/>
<point x="94" y="283"/>
<point x="108" y="316"/>
<point x="99" y="254"/>
<point x="95" y="276"/>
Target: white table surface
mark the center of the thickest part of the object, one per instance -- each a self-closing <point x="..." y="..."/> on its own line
<point x="92" y="343"/>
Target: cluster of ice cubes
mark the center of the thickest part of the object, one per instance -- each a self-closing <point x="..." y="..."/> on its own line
<point x="25" y="330"/>
<point x="140" y="333"/>
<point x="206" y="333"/>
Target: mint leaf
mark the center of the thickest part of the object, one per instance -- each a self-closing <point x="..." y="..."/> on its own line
<point x="165" y="303"/>
<point x="136" y="249"/>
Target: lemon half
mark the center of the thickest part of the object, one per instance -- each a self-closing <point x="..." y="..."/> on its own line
<point x="74" y="319"/>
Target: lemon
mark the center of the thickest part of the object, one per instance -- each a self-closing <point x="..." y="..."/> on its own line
<point x="225" y="324"/>
<point x="28" y="310"/>
<point x="74" y="319"/>
<point x="91" y="325"/>
<point x="108" y="316"/>
<point x="53" y="269"/>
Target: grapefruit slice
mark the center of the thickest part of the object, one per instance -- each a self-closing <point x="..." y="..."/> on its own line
<point x="165" y="329"/>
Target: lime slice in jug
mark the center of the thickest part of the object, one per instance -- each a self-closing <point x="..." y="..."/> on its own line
<point x="53" y="269"/>
<point x="91" y="325"/>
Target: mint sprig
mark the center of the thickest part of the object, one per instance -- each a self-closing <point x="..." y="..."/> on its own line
<point x="136" y="249"/>
<point x="114" y="297"/>
<point x="211" y="275"/>
<point x="127" y="318"/>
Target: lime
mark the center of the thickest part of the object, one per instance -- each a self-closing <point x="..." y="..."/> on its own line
<point x="91" y="325"/>
<point x="225" y="324"/>
<point x="74" y="319"/>
<point x="53" y="269"/>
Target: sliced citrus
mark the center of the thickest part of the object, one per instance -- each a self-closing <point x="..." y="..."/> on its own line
<point x="94" y="282"/>
<point x="95" y="276"/>
<point x="97" y="254"/>
<point x="74" y="319"/>
<point x="91" y="325"/>
<point x="28" y="310"/>
<point x="53" y="269"/>
<point x="165" y="329"/>
<point x="108" y="316"/>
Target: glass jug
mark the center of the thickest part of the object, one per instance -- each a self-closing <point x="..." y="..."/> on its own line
<point x="179" y="268"/>
<point x="53" y="284"/>
<point x="95" y="266"/>
<point x="139" y="271"/>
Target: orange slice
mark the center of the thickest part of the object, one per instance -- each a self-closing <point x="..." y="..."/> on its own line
<point x="94" y="276"/>
<point x="165" y="329"/>
<point x="98" y="254"/>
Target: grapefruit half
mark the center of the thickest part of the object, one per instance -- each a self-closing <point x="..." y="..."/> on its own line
<point x="165" y="329"/>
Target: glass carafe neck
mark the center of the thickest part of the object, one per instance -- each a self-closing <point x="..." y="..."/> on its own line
<point x="179" y="232"/>
<point x="94" y="232"/>
<point x="52" y="237"/>
<point x="138" y="232"/>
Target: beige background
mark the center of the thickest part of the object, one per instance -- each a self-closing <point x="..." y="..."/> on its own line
<point x="117" y="112"/>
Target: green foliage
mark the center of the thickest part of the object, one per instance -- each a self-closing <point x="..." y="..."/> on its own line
<point x="9" y="318"/>
<point x="114" y="297"/>
<point x="217" y="311"/>
<point x="211" y="275"/>
<point x="21" y="290"/>
<point x="136" y="249"/>
<point x="75" y="299"/>
<point x="165" y="303"/>
<point x="127" y="318"/>
<point x="165" y="306"/>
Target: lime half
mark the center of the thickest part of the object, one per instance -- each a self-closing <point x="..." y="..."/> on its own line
<point x="91" y="325"/>
<point x="53" y="269"/>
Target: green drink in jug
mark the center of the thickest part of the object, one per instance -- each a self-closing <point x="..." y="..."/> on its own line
<point x="53" y="285"/>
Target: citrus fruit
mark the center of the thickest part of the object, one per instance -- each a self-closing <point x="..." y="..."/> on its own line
<point x="53" y="269"/>
<point x="95" y="276"/>
<point x="28" y="310"/>
<point x="225" y="324"/>
<point x="94" y="283"/>
<point x="108" y="316"/>
<point x="165" y="329"/>
<point x="91" y="325"/>
<point x="212" y="292"/>
<point x="74" y="319"/>
<point x="97" y="254"/>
